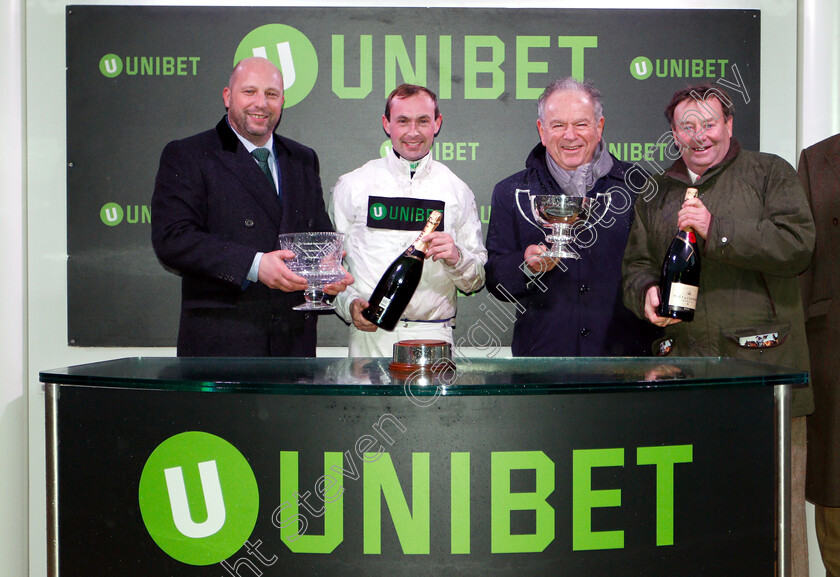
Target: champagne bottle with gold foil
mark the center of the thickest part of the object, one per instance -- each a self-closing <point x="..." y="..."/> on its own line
<point x="396" y="287"/>
<point x="680" y="279"/>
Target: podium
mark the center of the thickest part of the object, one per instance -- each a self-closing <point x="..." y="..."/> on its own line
<point x="572" y="466"/>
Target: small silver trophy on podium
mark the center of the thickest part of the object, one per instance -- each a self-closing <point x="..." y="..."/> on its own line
<point x="563" y="214"/>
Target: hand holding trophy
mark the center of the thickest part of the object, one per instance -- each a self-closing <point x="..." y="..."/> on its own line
<point x="560" y="213"/>
<point x="318" y="258"/>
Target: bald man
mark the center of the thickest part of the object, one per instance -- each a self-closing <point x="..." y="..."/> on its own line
<point x="221" y="198"/>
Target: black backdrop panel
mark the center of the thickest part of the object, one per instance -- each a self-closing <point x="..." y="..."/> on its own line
<point x="722" y="494"/>
<point x="139" y="77"/>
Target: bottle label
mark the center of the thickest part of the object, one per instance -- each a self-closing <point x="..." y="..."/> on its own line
<point x="683" y="295"/>
<point x="384" y="304"/>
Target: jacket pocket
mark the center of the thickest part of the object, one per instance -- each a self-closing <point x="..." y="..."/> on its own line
<point x="818" y="308"/>
<point x="759" y="343"/>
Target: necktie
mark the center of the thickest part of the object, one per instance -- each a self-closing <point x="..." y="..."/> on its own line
<point x="261" y="154"/>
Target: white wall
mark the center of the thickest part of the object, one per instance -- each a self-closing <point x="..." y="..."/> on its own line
<point x="819" y="73"/>
<point x="33" y="224"/>
<point x="13" y="399"/>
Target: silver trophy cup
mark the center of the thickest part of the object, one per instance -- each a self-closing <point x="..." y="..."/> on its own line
<point x="564" y="216"/>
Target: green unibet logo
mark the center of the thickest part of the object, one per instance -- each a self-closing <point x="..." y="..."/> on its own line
<point x="386" y="148"/>
<point x="290" y="50"/>
<point x="641" y="68"/>
<point x="111" y="214"/>
<point x="378" y="211"/>
<point x="111" y="65"/>
<point x="199" y="498"/>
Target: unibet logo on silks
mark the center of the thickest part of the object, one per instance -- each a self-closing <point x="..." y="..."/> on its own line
<point x="378" y="211"/>
<point x="291" y="51"/>
<point x="401" y="213"/>
<point x="198" y="497"/>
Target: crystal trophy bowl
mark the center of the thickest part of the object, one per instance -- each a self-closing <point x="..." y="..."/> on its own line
<point x="318" y="257"/>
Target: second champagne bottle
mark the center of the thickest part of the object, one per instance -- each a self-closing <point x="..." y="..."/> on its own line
<point x="680" y="279"/>
<point x="396" y="287"/>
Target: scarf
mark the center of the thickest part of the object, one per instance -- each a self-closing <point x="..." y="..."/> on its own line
<point x="581" y="180"/>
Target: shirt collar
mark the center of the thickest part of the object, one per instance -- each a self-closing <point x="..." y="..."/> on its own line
<point x="250" y="146"/>
<point x="411" y="167"/>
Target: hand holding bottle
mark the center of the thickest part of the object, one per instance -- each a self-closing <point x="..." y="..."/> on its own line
<point x="694" y="214"/>
<point x="359" y="321"/>
<point x="442" y="246"/>
<point x="652" y="300"/>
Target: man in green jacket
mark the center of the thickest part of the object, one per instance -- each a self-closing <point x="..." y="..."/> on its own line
<point x="755" y="235"/>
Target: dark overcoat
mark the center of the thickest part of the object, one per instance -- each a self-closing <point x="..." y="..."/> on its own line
<point x="819" y="173"/>
<point x="576" y="308"/>
<point x="212" y="211"/>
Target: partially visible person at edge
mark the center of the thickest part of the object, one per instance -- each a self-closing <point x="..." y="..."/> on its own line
<point x="819" y="173"/>
<point x="408" y="176"/>
<point x="755" y="235"/>
<point x="216" y="216"/>
<point x="577" y="311"/>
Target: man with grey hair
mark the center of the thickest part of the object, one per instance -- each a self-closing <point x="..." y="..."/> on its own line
<point x="573" y="307"/>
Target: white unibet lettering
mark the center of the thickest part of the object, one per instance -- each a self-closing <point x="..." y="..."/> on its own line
<point x="111" y="66"/>
<point x="213" y="501"/>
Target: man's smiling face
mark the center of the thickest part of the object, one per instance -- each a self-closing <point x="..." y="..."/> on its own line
<point x="702" y="133"/>
<point x="569" y="130"/>
<point x="254" y="99"/>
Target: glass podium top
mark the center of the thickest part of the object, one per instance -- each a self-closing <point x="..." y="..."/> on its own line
<point x="469" y="376"/>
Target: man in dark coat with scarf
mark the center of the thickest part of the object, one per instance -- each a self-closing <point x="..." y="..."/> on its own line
<point x="568" y="307"/>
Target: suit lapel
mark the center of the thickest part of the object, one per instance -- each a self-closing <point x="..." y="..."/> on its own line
<point x="241" y="164"/>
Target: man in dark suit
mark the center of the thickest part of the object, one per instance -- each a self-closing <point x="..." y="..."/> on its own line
<point x="216" y="213"/>
<point x="819" y="172"/>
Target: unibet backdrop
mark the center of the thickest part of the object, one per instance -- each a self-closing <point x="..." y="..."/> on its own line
<point x="139" y="77"/>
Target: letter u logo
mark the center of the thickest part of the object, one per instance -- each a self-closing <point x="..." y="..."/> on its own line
<point x="377" y="211"/>
<point x="111" y="65"/>
<point x="287" y="63"/>
<point x="641" y="68"/>
<point x="213" y="501"/>
<point x="112" y="214"/>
